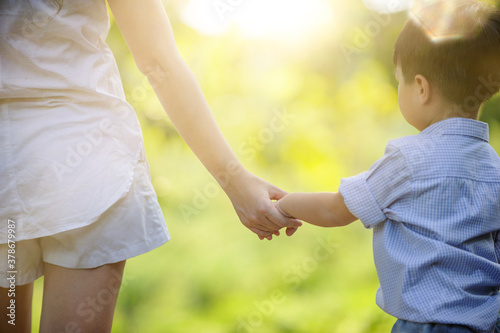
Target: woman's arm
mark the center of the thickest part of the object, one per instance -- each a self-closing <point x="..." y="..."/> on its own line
<point x="148" y="33"/>
<point x="323" y="209"/>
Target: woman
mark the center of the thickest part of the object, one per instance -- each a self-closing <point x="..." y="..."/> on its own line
<point x="76" y="192"/>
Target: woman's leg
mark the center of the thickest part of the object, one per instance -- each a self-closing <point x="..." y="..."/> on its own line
<point x="80" y="300"/>
<point x="23" y="299"/>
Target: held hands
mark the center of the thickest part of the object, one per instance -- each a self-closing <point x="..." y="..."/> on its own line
<point x="252" y="198"/>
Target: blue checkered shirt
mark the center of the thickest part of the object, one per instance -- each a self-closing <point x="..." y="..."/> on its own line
<point x="433" y="201"/>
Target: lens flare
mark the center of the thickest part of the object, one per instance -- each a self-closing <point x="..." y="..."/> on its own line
<point x="449" y="19"/>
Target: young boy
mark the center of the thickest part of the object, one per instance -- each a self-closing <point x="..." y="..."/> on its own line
<point x="433" y="199"/>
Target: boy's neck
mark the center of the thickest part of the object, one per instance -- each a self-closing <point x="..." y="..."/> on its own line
<point x="447" y="111"/>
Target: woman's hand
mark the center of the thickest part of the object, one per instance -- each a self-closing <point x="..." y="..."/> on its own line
<point x="252" y="198"/>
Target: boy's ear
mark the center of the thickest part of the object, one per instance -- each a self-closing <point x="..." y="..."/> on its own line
<point x="423" y="88"/>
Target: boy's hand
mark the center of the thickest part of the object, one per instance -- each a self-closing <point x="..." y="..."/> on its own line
<point x="290" y="230"/>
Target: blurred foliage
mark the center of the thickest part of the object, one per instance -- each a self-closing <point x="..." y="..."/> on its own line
<point x="216" y="276"/>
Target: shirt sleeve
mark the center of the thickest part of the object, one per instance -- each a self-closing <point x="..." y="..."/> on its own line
<point x="373" y="195"/>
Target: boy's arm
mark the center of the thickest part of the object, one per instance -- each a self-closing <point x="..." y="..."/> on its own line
<point x="324" y="209"/>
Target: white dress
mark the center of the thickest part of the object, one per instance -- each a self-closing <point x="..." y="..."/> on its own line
<point x="70" y="145"/>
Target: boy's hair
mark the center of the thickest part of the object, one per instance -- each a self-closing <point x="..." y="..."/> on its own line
<point x="460" y="56"/>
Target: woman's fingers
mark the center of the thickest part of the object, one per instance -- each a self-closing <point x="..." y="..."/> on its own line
<point x="261" y="234"/>
<point x="290" y="231"/>
<point x="253" y="202"/>
<point x="270" y="221"/>
<point x="263" y="223"/>
<point x="275" y="193"/>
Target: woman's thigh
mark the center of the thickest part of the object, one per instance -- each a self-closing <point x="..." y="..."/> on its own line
<point x="77" y="300"/>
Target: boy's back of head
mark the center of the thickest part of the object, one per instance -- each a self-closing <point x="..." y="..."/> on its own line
<point x="455" y="44"/>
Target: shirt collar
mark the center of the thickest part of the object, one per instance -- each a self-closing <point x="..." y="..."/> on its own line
<point x="459" y="126"/>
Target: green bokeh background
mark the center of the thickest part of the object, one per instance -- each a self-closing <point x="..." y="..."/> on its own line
<point x="215" y="275"/>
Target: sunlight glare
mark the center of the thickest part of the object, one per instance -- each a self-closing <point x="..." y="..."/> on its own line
<point x="260" y="19"/>
<point x="388" y="6"/>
